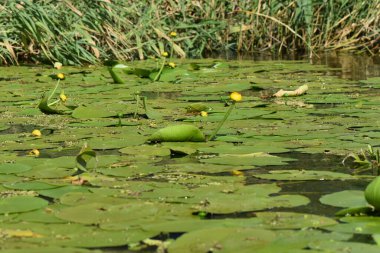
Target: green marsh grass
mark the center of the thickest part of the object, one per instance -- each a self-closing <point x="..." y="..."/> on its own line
<point x="77" y="32"/>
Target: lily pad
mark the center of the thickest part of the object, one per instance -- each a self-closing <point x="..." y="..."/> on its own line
<point x="222" y="240"/>
<point x="255" y="159"/>
<point x="305" y="175"/>
<point x="13" y="168"/>
<point x="347" y="198"/>
<point x="19" y="204"/>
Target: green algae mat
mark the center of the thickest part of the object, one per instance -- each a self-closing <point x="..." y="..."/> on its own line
<point x="126" y="159"/>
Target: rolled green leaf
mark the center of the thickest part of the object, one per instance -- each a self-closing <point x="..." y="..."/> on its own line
<point x="178" y="133"/>
<point x="45" y="108"/>
<point x="116" y="78"/>
<point x="372" y="193"/>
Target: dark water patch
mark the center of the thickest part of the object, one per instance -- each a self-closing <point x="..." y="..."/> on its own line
<point x="346" y="65"/>
<point x="324" y="105"/>
<point x="314" y="190"/>
<point x="25" y="128"/>
<point x="317" y="161"/>
<point x="362" y="238"/>
<point x="9" y="78"/>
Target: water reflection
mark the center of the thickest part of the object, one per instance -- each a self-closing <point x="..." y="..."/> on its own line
<point x="353" y="66"/>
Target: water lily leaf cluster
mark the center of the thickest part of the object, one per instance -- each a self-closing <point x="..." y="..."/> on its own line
<point x="270" y="181"/>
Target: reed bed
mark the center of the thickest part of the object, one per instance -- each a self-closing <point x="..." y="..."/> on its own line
<point x="89" y="32"/>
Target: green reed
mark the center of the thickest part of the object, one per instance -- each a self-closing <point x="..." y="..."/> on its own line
<point x="88" y="32"/>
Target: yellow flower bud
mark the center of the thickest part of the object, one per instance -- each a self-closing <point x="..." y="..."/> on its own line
<point x="171" y="64"/>
<point x="36" y="133"/>
<point x="204" y="114"/>
<point x="61" y="76"/>
<point x="173" y="34"/>
<point x="34" y="152"/>
<point x="237" y="173"/>
<point x="236" y="96"/>
<point x="62" y="96"/>
<point x="164" y="54"/>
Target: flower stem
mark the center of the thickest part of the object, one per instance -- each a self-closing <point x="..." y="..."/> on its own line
<point x="55" y="88"/>
<point x="159" y="72"/>
<point x="222" y="122"/>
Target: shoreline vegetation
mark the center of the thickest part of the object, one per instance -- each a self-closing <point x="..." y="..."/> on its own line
<point x="77" y="32"/>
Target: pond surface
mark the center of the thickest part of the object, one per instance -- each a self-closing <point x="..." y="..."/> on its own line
<point x="271" y="180"/>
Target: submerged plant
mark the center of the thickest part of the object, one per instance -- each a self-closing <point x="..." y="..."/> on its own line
<point x="366" y="160"/>
<point x="46" y="104"/>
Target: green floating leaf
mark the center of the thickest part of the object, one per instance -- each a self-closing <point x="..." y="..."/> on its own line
<point x="43" y="215"/>
<point x="357" y="225"/>
<point x="348" y="198"/>
<point x="254" y="159"/>
<point x="235" y="198"/>
<point x="304" y="175"/>
<point x="147" y="150"/>
<point x="178" y="133"/>
<point x="220" y="239"/>
<point x="13" y="168"/>
<point x="98" y="111"/>
<point x="19" y="204"/>
<point x="31" y="185"/>
<point x="197" y="107"/>
<point x="343" y="247"/>
<point x="170" y="74"/>
<point x="60" y="191"/>
<point x="289" y="220"/>
<point x="49" y="249"/>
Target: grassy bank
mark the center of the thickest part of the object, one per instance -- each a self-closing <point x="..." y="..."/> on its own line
<point x="76" y="31"/>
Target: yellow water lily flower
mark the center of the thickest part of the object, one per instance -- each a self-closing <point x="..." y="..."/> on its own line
<point x="62" y="96"/>
<point x="164" y="54"/>
<point x="34" y="152"/>
<point x="237" y="173"/>
<point x="173" y="34"/>
<point x="204" y="114"/>
<point x="61" y="76"/>
<point x="171" y="64"/>
<point x="236" y="96"/>
<point x="36" y="133"/>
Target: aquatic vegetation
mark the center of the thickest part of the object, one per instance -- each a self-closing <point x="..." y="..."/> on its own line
<point x="46" y="105"/>
<point x="366" y="160"/>
<point x="147" y="172"/>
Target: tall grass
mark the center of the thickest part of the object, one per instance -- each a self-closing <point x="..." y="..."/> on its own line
<point x="77" y="31"/>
